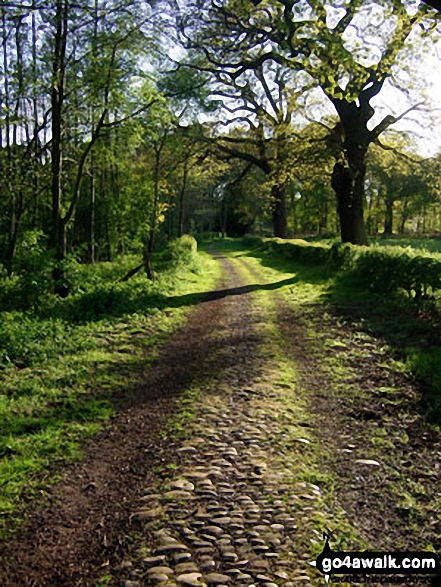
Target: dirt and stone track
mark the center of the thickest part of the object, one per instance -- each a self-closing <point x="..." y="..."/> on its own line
<point x="226" y="501"/>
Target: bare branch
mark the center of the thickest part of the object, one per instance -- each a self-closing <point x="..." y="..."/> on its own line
<point x="389" y="120"/>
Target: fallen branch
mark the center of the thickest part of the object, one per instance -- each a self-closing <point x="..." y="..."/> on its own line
<point x="131" y="273"/>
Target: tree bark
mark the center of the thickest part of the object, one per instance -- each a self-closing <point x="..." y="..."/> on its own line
<point x="58" y="236"/>
<point x="92" y="196"/>
<point x="349" y="174"/>
<point x="349" y="205"/>
<point x="182" y="197"/>
<point x="148" y="248"/>
<point x="389" y="216"/>
<point x="278" y="197"/>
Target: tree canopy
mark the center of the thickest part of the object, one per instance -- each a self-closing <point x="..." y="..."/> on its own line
<point x="124" y="123"/>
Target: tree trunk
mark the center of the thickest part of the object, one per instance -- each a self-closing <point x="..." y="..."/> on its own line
<point x="58" y="236"/>
<point x="61" y="287"/>
<point x="36" y="155"/>
<point x="349" y="205"/>
<point x="404" y="215"/>
<point x="352" y="139"/>
<point x="278" y="197"/>
<point x="389" y="217"/>
<point x="148" y="248"/>
<point x="92" y="195"/>
<point x="182" y="198"/>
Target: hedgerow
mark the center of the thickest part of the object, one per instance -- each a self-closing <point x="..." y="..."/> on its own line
<point x="383" y="270"/>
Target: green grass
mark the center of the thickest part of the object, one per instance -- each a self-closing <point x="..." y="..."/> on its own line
<point x="429" y="245"/>
<point x="310" y="289"/>
<point x="411" y="332"/>
<point x="66" y="366"/>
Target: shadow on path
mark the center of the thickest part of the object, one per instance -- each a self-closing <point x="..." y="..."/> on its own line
<point x="115" y="303"/>
<point x="197" y="298"/>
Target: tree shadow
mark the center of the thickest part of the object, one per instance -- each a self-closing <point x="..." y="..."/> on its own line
<point x="115" y="303"/>
<point x="208" y="296"/>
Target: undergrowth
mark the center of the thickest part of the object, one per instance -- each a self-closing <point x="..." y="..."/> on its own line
<point x="66" y="363"/>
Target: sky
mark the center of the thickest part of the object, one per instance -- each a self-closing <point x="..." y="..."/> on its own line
<point x="424" y="76"/>
<point x="417" y="81"/>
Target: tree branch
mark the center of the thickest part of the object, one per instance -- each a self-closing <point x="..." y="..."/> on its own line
<point x="389" y="120"/>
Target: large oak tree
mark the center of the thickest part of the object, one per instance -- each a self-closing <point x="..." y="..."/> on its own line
<point x="347" y="48"/>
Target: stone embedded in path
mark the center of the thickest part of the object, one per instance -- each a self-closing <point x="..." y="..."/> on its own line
<point x="151" y="497"/>
<point x="182" y="484"/>
<point x="207" y="563"/>
<point x="180" y="557"/>
<point x="190" y="579"/>
<point x="158" y="577"/>
<point x="368" y="462"/>
<point x="230" y="557"/>
<point x="160" y="571"/>
<point x="208" y="537"/>
<point x="263" y="579"/>
<point x="222" y="521"/>
<point x="187" y="449"/>
<point x="202" y="544"/>
<point x="260" y="549"/>
<point x="169" y="547"/>
<point x="230" y="451"/>
<point x="242" y="563"/>
<point x="178" y="494"/>
<point x="147" y="514"/>
<point x="278" y="527"/>
<point x="153" y="560"/>
<point x="188" y="567"/>
<point x="213" y="530"/>
<point x="216" y="578"/>
<point x="222" y="463"/>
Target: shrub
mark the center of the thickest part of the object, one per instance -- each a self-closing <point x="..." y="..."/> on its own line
<point x="25" y="340"/>
<point x="383" y="270"/>
<point x="181" y="251"/>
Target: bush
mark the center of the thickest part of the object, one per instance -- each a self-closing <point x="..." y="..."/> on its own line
<point x="391" y="270"/>
<point x="32" y="277"/>
<point x="383" y="270"/>
<point x="25" y="339"/>
<point x="181" y="251"/>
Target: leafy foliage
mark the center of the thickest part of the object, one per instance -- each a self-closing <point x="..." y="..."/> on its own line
<point x="382" y="270"/>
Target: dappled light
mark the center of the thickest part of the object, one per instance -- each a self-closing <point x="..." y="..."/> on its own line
<point x="220" y="293"/>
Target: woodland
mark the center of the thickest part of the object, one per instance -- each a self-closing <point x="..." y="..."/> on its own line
<point x="220" y="277"/>
<point x="126" y="124"/>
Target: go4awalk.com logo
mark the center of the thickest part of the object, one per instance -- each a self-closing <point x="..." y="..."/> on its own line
<point x="363" y="564"/>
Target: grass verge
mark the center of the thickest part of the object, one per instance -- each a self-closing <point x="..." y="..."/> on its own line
<point x="411" y="331"/>
<point x="60" y="383"/>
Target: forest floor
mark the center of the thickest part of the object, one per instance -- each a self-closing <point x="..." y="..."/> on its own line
<point x="266" y="420"/>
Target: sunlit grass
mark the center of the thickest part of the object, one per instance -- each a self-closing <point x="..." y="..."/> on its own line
<point x="395" y="318"/>
<point x="70" y="372"/>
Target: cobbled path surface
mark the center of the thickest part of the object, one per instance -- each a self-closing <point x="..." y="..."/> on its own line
<point x="229" y="508"/>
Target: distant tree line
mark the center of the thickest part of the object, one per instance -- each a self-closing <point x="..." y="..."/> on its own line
<point x="126" y="123"/>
